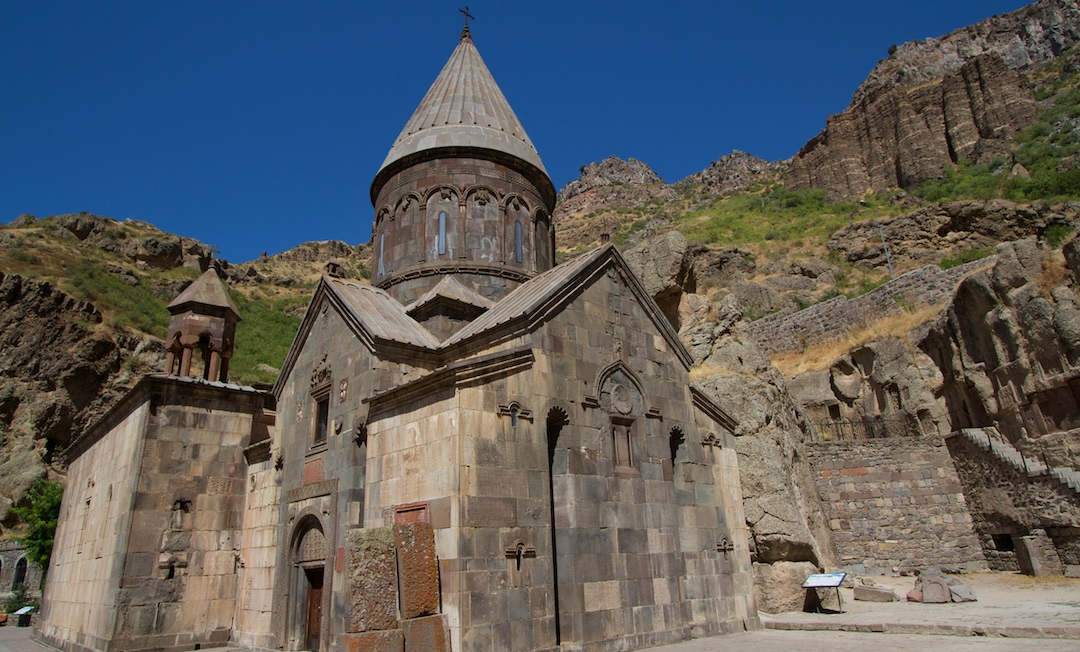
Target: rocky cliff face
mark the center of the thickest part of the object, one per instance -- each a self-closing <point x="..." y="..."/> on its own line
<point x="900" y="136"/>
<point x="1024" y="39"/>
<point x="59" y="369"/>
<point x="1008" y="348"/>
<point x="612" y="171"/>
<point x="735" y="171"/>
<point x="605" y="186"/>
<point x="921" y="237"/>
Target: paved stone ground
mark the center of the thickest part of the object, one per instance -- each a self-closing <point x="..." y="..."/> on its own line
<point x="18" y="640"/>
<point x="1013" y="613"/>
<point x="1008" y="604"/>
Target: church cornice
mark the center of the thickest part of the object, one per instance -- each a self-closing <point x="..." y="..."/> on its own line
<point x="478" y="370"/>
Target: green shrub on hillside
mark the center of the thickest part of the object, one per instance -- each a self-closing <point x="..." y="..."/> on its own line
<point x="1047" y="150"/>
<point x="775" y="214"/>
<point x="964" y="257"/>
<point x="263" y="336"/>
<point x="133" y="307"/>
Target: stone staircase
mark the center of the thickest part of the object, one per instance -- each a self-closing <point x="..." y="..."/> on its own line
<point x="990" y="440"/>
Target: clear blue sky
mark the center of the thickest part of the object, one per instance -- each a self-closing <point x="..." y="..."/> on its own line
<point x="258" y="125"/>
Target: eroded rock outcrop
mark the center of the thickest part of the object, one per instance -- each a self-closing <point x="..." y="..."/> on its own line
<point x="1008" y="348"/>
<point x="924" y="236"/>
<point x="784" y="513"/>
<point x="734" y="171"/>
<point x="155" y="248"/>
<point x="607" y="185"/>
<point x="58" y="371"/>
<point x="665" y="266"/>
<point x="901" y="136"/>
<point x="1024" y="38"/>
<point x="612" y="171"/>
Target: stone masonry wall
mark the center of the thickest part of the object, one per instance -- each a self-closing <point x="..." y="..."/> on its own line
<point x="895" y="503"/>
<point x="822" y="322"/>
<point x="1005" y="501"/>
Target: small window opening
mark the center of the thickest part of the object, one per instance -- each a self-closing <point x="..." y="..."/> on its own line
<point x="518" y="253"/>
<point x="322" y="418"/>
<point x="834" y="412"/>
<point x="382" y="250"/>
<point x="442" y="232"/>
<point x="620" y="434"/>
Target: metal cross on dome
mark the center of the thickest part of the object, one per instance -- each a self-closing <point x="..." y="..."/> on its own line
<point x="465" y="12"/>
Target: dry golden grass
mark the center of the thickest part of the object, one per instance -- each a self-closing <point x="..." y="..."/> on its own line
<point x="1053" y="274"/>
<point x="821" y="356"/>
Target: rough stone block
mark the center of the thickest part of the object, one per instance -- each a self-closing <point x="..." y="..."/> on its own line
<point x="372" y="589"/>
<point x="935" y="590"/>
<point x="875" y="594"/>
<point x="426" y="634"/>
<point x="391" y="640"/>
<point x="419" y="569"/>
<point x="961" y="593"/>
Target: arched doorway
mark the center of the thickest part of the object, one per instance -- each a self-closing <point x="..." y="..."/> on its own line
<point x="20" y="574"/>
<point x="556" y="421"/>
<point x="308" y="568"/>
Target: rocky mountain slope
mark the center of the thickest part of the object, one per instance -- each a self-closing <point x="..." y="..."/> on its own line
<point x="937" y="102"/>
<point x="901" y="136"/>
<point x="82" y="314"/>
<point x="1024" y="39"/>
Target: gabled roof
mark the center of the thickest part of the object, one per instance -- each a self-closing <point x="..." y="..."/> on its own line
<point x="207" y="290"/>
<point x="378" y="319"/>
<point x="449" y="288"/>
<point x="464" y="108"/>
<point x="534" y="300"/>
<point x="380" y="314"/>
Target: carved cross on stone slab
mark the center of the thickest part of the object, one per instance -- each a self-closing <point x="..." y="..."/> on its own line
<point x="724" y="546"/>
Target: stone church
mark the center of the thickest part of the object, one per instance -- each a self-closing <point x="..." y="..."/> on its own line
<point x="480" y="451"/>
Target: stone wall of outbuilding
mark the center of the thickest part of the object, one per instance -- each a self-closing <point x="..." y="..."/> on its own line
<point x="10" y="556"/>
<point x="895" y="503"/>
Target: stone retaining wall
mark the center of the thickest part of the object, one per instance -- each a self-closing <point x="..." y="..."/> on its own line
<point x="1007" y="503"/>
<point x="895" y="503"/>
<point x="828" y="320"/>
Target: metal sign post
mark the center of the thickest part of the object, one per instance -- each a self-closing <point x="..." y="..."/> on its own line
<point x="826" y="580"/>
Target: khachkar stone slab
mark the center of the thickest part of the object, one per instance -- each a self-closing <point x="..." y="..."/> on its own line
<point x="419" y="569"/>
<point x="391" y="640"/>
<point x="372" y="588"/>
<point x="426" y="634"/>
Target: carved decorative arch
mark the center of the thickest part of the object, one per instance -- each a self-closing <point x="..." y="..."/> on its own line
<point x="381" y="215"/>
<point x="482" y="193"/>
<point x="442" y="190"/>
<point x="304" y="540"/>
<point x="403" y="201"/>
<point x="510" y="198"/>
<point x="606" y="373"/>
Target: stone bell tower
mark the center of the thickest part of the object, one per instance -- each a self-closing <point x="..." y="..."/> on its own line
<point x="462" y="193"/>
<point x="203" y="320"/>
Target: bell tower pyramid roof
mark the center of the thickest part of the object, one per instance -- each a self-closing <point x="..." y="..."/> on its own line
<point x="463" y="110"/>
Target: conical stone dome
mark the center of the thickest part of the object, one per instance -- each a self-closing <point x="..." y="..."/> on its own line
<point x="462" y="192"/>
<point x="464" y="108"/>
